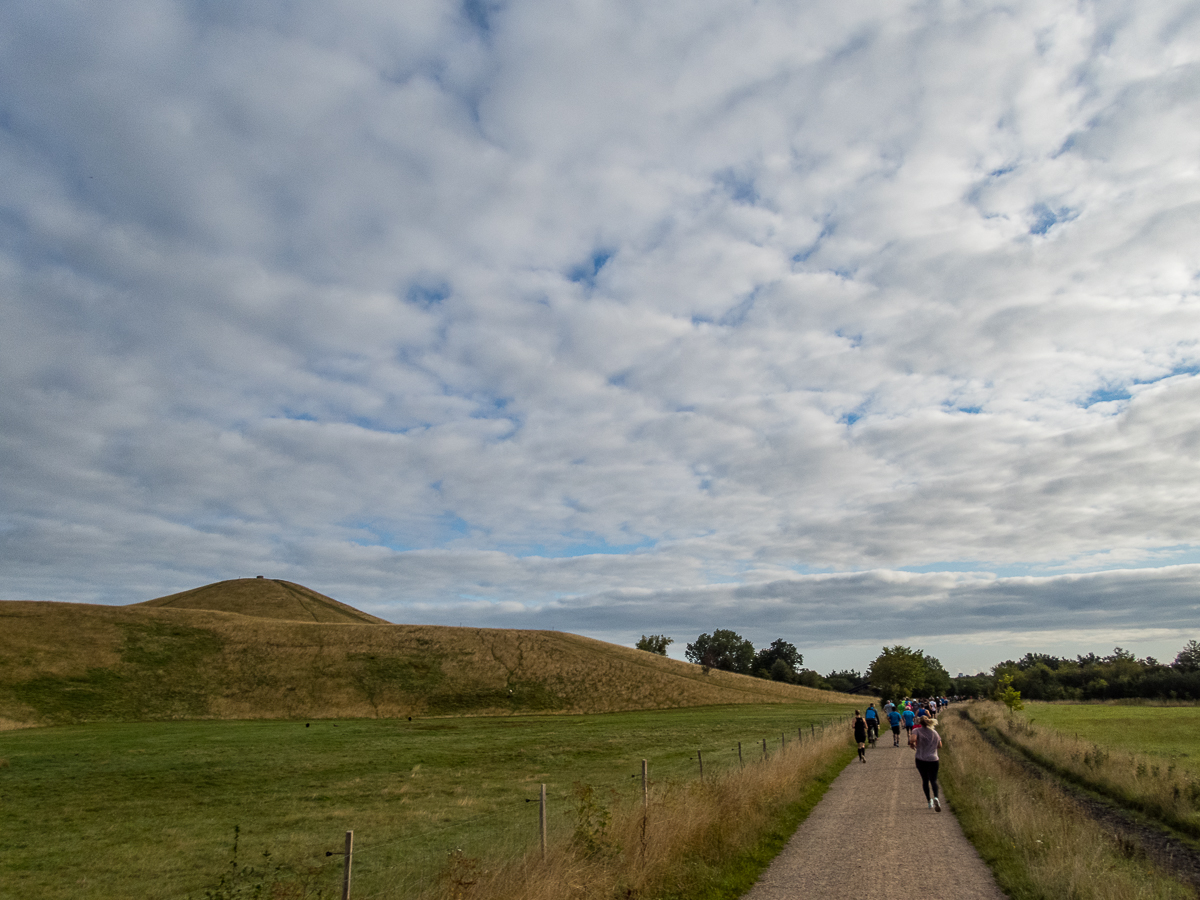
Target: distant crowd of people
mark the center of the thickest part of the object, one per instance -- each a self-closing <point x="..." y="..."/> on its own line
<point x="919" y="720"/>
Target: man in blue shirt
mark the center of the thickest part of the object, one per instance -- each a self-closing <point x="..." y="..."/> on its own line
<point x="872" y="717"/>
<point x="894" y="719"/>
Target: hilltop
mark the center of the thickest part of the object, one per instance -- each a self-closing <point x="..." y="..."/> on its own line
<point x="265" y="598"/>
<point x="277" y="650"/>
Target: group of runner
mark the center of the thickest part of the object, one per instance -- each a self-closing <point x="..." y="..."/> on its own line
<point x="918" y="718"/>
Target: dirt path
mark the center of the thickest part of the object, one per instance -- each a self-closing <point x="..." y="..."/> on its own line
<point x="872" y="836"/>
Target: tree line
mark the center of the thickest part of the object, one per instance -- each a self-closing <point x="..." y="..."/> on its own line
<point x="899" y="672"/>
<point x="730" y="652"/>
<point x="1120" y="675"/>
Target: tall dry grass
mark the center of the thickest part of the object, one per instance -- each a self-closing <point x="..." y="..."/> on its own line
<point x="695" y="840"/>
<point x="1146" y="783"/>
<point x="1039" y="842"/>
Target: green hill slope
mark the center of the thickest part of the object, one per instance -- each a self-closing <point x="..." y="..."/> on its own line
<point x="62" y="662"/>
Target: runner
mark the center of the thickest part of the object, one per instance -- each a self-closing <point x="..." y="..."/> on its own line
<point x="909" y="717"/>
<point x="925" y="740"/>
<point x="872" y="717"/>
<point x="860" y="736"/>
<point x="894" y="719"/>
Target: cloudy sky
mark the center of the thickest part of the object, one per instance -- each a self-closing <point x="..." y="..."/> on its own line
<point x="850" y="324"/>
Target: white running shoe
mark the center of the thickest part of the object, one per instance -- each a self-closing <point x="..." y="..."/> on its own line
<point x="937" y="804"/>
<point x="931" y="804"/>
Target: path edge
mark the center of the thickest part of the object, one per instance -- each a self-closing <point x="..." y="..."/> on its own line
<point x="743" y="872"/>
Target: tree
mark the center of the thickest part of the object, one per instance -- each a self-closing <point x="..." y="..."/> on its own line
<point x="972" y="686"/>
<point x="899" y="672"/>
<point x="1188" y="659"/>
<point x="781" y="671"/>
<point x="655" y="643"/>
<point x="937" y="679"/>
<point x="847" y="681"/>
<point x="782" y="652"/>
<point x="1007" y="694"/>
<point x="809" y="678"/>
<point x="723" y="649"/>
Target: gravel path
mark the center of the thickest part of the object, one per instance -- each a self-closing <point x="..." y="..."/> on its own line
<point x="872" y="836"/>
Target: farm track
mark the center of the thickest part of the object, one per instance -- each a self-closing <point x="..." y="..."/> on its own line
<point x="1135" y="831"/>
<point x="872" y="837"/>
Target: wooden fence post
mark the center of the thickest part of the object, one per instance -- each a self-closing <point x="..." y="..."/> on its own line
<point x="542" y="821"/>
<point x="741" y="762"/>
<point x="645" y="784"/>
<point x="700" y="758"/>
<point x="346" y="872"/>
<point x="764" y="748"/>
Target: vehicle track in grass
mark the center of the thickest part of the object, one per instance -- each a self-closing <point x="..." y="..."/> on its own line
<point x="1136" y="831"/>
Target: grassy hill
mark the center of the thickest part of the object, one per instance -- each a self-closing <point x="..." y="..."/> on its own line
<point x="267" y="599"/>
<point x="256" y="648"/>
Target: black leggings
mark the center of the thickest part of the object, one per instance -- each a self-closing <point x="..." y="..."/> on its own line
<point x="928" y="769"/>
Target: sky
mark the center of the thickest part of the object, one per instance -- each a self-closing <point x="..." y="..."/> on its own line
<point x="848" y="324"/>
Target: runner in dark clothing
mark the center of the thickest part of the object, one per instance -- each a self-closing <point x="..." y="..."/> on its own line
<point x="860" y="736"/>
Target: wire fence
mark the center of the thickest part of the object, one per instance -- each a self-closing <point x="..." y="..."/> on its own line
<point x="412" y="859"/>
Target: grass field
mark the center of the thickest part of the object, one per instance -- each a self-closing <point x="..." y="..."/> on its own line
<point x="148" y="810"/>
<point x="1171" y="732"/>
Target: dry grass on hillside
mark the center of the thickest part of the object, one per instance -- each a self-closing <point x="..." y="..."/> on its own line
<point x="266" y="598"/>
<point x="75" y="662"/>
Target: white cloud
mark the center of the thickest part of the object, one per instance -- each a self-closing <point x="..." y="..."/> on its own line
<point x="557" y="304"/>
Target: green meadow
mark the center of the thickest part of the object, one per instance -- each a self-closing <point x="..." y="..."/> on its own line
<point x="1171" y="732"/>
<point x="148" y="810"/>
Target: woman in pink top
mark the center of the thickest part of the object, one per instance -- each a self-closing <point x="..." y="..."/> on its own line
<point x="926" y="742"/>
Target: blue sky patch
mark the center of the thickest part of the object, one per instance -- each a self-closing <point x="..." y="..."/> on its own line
<point x="378" y="535"/>
<point x="586" y="273"/>
<point x="426" y="295"/>
<point x="480" y="14"/>
<point x="1046" y="218"/>
<point x="739" y="186"/>
<point x="454" y="523"/>
<point x="803" y="255"/>
<point x="593" y="546"/>
<point x="1107" y="395"/>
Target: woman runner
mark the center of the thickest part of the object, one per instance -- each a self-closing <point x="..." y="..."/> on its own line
<point x="925" y="740"/>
